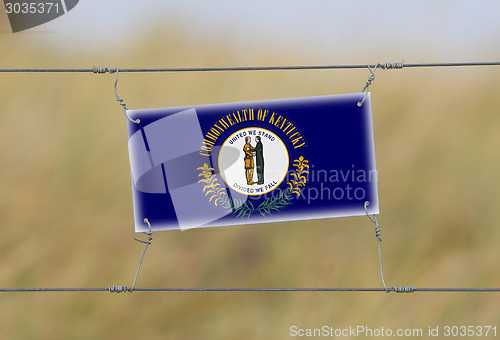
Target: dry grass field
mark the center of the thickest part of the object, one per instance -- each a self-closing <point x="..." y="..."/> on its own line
<point x="66" y="207"/>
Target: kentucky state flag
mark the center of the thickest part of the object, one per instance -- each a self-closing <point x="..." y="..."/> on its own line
<point x="252" y="162"/>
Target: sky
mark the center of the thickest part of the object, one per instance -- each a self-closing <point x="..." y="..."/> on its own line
<point x="453" y="30"/>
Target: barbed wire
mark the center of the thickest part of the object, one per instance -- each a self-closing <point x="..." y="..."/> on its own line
<point x="120" y="289"/>
<point x="398" y="65"/>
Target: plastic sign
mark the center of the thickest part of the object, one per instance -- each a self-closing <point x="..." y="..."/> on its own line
<point x="252" y="162"/>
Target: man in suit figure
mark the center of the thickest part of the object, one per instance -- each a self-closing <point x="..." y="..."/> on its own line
<point x="259" y="160"/>
<point x="249" y="163"/>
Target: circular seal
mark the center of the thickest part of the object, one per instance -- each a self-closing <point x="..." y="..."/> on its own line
<point x="262" y="163"/>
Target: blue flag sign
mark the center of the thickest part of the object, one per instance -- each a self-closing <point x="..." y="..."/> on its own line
<point x="252" y="162"/>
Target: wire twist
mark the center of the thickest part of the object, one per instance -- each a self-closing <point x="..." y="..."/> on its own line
<point x="368" y="83"/>
<point x="404" y="289"/>
<point x="117" y="289"/>
<point x="392" y="66"/>
<point x="120" y="100"/>
<point x="377" y="234"/>
<point x="103" y="70"/>
<point x="379" y="239"/>
<point x="374" y="220"/>
<point x="147" y="242"/>
<point x="371" y="78"/>
<point x="122" y="289"/>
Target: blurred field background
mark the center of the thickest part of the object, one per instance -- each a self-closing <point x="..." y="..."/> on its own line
<point x="66" y="207"/>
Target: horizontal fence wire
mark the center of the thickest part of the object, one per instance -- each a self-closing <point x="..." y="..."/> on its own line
<point x="121" y="289"/>
<point x="247" y="68"/>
